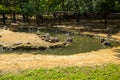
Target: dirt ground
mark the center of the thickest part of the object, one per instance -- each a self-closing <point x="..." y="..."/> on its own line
<point x="16" y="62"/>
<point x="10" y="38"/>
<point x="13" y="40"/>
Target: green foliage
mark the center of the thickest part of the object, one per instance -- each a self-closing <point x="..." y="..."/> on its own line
<point x="108" y="72"/>
<point x="2" y="7"/>
<point x="39" y="7"/>
<point x="117" y="4"/>
<point x="54" y="5"/>
<point x="9" y="6"/>
<point x="27" y="8"/>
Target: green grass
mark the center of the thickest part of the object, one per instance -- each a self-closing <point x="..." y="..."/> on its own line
<point x="109" y="72"/>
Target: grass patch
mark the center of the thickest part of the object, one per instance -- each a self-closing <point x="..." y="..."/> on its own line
<point x="109" y="72"/>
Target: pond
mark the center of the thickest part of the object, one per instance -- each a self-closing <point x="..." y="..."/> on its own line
<point x="80" y="44"/>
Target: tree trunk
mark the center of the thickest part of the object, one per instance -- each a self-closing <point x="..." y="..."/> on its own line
<point x="77" y="18"/>
<point x="63" y="4"/>
<point x="29" y="20"/>
<point x="11" y="16"/>
<point x="38" y="17"/>
<point x="42" y="20"/>
<point x="105" y="20"/>
<point x="23" y="18"/>
<point x="54" y="18"/>
<point x="4" y="20"/>
<point x="14" y="17"/>
<point x="59" y="18"/>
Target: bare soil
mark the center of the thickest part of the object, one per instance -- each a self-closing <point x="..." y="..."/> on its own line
<point x="9" y="38"/>
<point x="16" y="62"/>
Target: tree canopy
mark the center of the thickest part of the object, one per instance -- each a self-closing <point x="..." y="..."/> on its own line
<point x="35" y="7"/>
<point x="38" y="8"/>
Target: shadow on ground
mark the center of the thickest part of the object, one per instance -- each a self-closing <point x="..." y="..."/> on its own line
<point x="117" y="52"/>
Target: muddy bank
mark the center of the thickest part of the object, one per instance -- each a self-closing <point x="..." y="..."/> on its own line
<point x="16" y="40"/>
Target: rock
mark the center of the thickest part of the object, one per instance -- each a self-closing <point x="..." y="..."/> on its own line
<point x="17" y="44"/>
<point x="41" y="48"/>
<point x="53" y="39"/>
<point x="57" y="45"/>
<point x="69" y="40"/>
<point x="67" y="44"/>
<point x="28" y="43"/>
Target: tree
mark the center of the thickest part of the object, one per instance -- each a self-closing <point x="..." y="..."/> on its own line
<point x="117" y="5"/>
<point x="9" y="6"/>
<point x="106" y="7"/>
